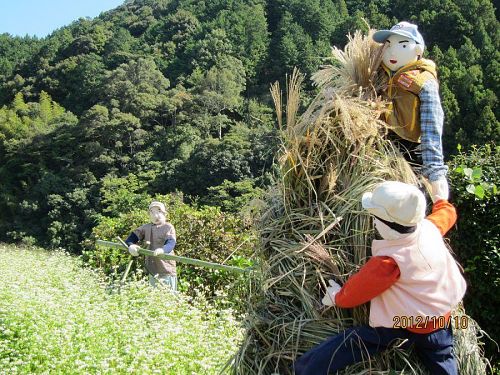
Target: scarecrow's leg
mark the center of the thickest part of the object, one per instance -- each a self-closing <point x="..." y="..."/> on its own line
<point x="435" y="351"/>
<point x="351" y="346"/>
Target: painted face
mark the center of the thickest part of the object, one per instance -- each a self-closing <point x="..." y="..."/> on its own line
<point x="156" y="216"/>
<point x="400" y="51"/>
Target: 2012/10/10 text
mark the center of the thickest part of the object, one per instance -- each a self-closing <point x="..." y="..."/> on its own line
<point x="437" y="322"/>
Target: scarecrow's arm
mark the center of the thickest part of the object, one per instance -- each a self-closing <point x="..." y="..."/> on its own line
<point x="132" y="239"/>
<point x="170" y="242"/>
<point x="431" y="124"/>
<point x="136" y="235"/>
<point x="376" y="276"/>
<point x="443" y="216"/>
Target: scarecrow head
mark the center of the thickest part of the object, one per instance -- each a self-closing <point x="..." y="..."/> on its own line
<point x="403" y="45"/>
<point x="157" y="212"/>
<point x="397" y="207"/>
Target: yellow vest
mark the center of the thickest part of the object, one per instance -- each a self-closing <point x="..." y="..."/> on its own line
<point x="403" y="88"/>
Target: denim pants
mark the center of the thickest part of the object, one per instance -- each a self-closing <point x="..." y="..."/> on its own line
<point x="356" y="344"/>
<point x="169" y="281"/>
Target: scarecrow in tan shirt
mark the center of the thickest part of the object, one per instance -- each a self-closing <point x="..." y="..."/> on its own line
<point x="159" y="236"/>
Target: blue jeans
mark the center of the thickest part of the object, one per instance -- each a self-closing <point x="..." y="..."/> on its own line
<point x="357" y="344"/>
<point x="170" y="281"/>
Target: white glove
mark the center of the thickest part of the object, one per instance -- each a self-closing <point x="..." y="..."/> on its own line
<point x="440" y="189"/>
<point x="132" y="249"/>
<point x="159" y="251"/>
<point x="331" y="291"/>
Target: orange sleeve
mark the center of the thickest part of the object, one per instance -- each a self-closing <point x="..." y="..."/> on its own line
<point x="443" y="216"/>
<point x="377" y="275"/>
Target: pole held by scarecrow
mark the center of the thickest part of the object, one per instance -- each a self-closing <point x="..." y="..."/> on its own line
<point x="177" y="258"/>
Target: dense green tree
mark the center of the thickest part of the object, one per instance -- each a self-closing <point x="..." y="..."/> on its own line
<point x="31" y="164"/>
<point x="210" y="49"/>
<point x="468" y="104"/>
<point x="75" y="82"/>
<point x="119" y="48"/>
<point x="168" y="40"/>
<point x="232" y="196"/>
<point x="212" y="162"/>
<point x="316" y="16"/>
<point x="246" y="28"/>
<point x="123" y="194"/>
<point x="177" y="28"/>
<point x="15" y="51"/>
<point x="21" y="121"/>
<point x="292" y="47"/>
<point x="140" y="20"/>
<point x="220" y="88"/>
<point x="137" y="87"/>
<point x="88" y="37"/>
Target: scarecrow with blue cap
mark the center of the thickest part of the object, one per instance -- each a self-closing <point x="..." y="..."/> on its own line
<point x="415" y="115"/>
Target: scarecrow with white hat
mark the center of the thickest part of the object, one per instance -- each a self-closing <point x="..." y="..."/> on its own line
<point x="415" y="115"/>
<point x="159" y="236"/>
<point x="412" y="281"/>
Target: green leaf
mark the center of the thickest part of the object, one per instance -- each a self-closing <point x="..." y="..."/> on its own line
<point x="479" y="191"/>
<point x="477" y="173"/>
<point x="471" y="189"/>
<point x="459" y="147"/>
<point x="468" y="172"/>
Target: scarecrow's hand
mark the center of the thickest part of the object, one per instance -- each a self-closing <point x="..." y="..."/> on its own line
<point x="331" y="291"/>
<point x="440" y="189"/>
<point x="158" y="251"/>
<point x="132" y="249"/>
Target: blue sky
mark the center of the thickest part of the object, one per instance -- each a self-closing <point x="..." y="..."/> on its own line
<point x="41" y="17"/>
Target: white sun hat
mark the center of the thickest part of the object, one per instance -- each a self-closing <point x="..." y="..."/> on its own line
<point x="160" y="205"/>
<point x="396" y="202"/>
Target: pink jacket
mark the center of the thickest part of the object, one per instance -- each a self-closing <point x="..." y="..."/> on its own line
<point x="430" y="282"/>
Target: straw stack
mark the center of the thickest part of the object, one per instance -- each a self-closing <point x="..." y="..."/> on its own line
<point x="314" y="228"/>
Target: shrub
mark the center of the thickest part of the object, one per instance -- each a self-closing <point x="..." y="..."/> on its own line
<point x="474" y="180"/>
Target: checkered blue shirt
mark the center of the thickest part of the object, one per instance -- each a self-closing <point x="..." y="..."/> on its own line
<point x="431" y="124"/>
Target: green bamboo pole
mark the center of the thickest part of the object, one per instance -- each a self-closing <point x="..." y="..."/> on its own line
<point x="177" y="258"/>
<point x="127" y="270"/>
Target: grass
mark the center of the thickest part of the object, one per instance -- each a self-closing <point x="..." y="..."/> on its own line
<point x="57" y="317"/>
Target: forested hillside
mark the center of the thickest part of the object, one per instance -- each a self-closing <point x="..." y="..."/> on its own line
<point x="176" y="94"/>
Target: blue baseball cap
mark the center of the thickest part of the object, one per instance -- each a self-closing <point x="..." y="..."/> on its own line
<point x="404" y="29"/>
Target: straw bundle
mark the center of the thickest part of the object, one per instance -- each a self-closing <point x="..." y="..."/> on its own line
<point x="314" y="228"/>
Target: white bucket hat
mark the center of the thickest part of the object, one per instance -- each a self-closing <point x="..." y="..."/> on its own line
<point x="160" y="205"/>
<point x="396" y="202"/>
